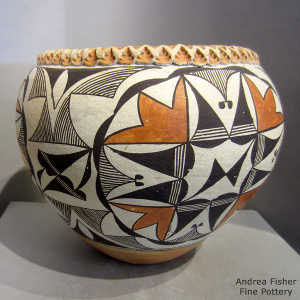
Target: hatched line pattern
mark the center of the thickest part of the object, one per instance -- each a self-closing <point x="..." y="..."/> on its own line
<point x="249" y="180"/>
<point x="64" y="209"/>
<point x="210" y="134"/>
<point x="64" y="131"/>
<point x="241" y="130"/>
<point x="91" y="217"/>
<point x="21" y="136"/>
<point x="192" y="207"/>
<point x="105" y="84"/>
<point x="179" y="161"/>
<point x="70" y="190"/>
<point x="222" y="201"/>
<point x="260" y="149"/>
<point x="43" y="131"/>
<point x="217" y="77"/>
<point x="39" y="86"/>
<point x="175" y="191"/>
<point x="129" y="241"/>
<point x="192" y="235"/>
<point x="110" y="177"/>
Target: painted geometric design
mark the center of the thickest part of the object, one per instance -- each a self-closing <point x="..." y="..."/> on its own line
<point x="217" y="77"/>
<point x="149" y="157"/>
<point x="160" y="216"/>
<point x="110" y="176"/>
<point x="38" y="88"/>
<point x="55" y="166"/>
<point x="21" y="126"/>
<point x="106" y="83"/>
<point x="63" y="132"/>
<point x="64" y="209"/>
<point x="43" y="132"/>
<point x="91" y="217"/>
<point x="21" y="135"/>
<point x="267" y="117"/>
<point x="158" y="121"/>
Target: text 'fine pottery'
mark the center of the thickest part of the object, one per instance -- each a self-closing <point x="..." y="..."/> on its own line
<point x="146" y="150"/>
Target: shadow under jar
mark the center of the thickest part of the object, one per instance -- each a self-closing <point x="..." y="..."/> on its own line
<point x="146" y="150"/>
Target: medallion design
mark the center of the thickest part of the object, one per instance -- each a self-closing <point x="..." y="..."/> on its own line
<point x="144" y="156"/>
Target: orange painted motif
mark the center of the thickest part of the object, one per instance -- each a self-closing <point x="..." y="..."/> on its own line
<point x="267" y="117"/>
<point x="160" y="123"/>
<point x="239" y="204"/>
<point x="162" y="216"/>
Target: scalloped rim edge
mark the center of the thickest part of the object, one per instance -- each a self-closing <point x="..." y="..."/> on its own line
<point x="160" y="55"/>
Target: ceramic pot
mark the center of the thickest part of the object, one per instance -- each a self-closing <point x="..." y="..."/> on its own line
<point x="145" y="151"/>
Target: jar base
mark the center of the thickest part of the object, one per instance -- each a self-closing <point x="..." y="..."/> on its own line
<point x="146" y="257"/>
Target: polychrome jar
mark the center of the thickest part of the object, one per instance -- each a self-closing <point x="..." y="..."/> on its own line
<point x="145" y="151"/>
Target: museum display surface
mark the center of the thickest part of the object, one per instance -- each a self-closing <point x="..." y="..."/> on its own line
<point x="46" y="260"/>
<point x="146" y="150"/>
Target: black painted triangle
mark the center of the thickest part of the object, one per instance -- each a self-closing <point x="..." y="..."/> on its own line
<point x="75" y="75"/>
<point x="215" y="213"/>
<point x="185" y="217"/>
<point x="53" y="74"/>
<point x="242" y="115"/>
<point x="269" y="146"/>
<point x="39" y="174"/>
<point x="207" y="117"/>
<point x="163" y="161"/>
<point x="208" y="143"/>
<point x="160" y="192"/>
<point x="245" y="181"/>
<point x="64" y="185"/>
<point x="266" y="148"/>
<point x="216" y="209"/>
<point x="259" y="175"/>
<point x="233" y="173"/>
<point x="216" y="174"/>
<point x="243" y="139"/>
<point x="54" y="163"/>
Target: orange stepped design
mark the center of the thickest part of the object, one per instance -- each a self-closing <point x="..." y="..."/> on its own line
<point x="265" y="106"/>
<point x="160" y="123"/>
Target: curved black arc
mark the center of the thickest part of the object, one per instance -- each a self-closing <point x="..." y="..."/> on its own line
<point x="98" y="143"/>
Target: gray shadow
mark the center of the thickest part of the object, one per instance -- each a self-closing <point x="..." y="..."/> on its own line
<point x="19" y="187"/>
<point x="55" y="246"/>
<point x="35" y="233"/>
<point x="12" y="76"/>
<point x="252" y="219"/>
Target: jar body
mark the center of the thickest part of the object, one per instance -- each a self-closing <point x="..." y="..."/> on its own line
<point x="146" y="157"/>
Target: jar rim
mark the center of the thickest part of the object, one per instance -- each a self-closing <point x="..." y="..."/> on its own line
<point x="178" y="54"/>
